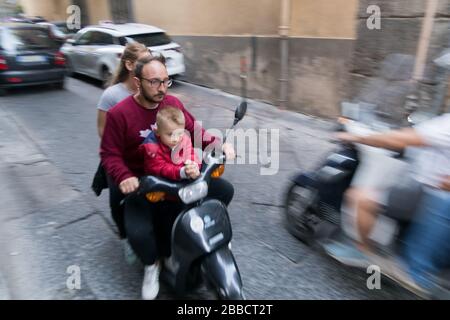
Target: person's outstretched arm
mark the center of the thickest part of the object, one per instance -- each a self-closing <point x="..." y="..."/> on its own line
<point x="393" y="140"/>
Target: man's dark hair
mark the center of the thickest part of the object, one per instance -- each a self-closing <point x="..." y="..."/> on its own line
<point x="146" y="60"/>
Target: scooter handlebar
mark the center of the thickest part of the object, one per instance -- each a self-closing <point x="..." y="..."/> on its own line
<point x="152" y="183"/>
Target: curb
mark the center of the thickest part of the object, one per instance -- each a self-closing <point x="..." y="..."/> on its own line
<point x="23" y="164"/>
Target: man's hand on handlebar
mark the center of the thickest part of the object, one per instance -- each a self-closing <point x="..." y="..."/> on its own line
<point x="129" y="185"/>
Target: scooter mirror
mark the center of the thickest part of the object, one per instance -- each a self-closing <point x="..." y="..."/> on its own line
<point x="240" y="112"/>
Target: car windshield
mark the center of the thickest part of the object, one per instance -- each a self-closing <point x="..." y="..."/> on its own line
<point x="28" y="39"/>
<point x="150" y="39"/>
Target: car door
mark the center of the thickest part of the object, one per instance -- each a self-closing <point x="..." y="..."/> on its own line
<point x="99" y="41"/>
<point x="79" y="52"/>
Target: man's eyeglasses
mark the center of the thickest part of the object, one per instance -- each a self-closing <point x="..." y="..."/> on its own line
<point x="156" y="83"/>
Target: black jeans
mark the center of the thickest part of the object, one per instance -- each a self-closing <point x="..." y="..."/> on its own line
<point x="149" y="228"/>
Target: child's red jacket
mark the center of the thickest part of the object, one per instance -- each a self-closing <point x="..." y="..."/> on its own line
<point x="161" y="161"/>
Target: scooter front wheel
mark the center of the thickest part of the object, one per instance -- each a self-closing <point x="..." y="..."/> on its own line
<point x="300" y="217"/>
<point x="222" y="274"/>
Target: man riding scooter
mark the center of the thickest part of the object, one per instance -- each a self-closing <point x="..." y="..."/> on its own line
<point x="431" y="169"/>
<point x="127" y="125"/>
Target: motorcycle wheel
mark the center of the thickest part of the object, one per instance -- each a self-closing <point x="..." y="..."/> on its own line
<point x="300" y="216"/>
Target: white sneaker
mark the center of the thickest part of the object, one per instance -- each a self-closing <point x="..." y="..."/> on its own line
<point x="150" y="285"/>
<point x="130" y="256"/>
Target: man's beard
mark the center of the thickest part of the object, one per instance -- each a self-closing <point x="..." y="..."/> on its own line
<point x="150" y="98"/>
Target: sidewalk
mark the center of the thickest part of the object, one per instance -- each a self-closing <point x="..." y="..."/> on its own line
<point x="32" y="261"/>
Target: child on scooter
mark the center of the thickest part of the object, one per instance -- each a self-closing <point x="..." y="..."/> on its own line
<point x="168" y="150"/>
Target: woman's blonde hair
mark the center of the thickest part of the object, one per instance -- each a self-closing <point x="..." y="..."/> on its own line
<point x="131" y="53"/>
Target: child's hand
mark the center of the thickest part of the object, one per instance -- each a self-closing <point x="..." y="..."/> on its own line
<point x="191" y="169"/>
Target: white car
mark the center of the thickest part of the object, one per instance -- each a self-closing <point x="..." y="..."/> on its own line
<point x="95" y="51"/>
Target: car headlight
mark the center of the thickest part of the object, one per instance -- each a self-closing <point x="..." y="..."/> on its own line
<point x="193" y="192"/>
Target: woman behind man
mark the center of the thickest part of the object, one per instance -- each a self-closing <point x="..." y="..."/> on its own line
<point x="122" y="84"/>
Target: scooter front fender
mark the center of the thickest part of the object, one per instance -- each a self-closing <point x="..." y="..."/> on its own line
<point x="198" y="232"/>
<point x="222" y="273"/>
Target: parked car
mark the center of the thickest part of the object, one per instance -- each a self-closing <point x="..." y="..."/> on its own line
<point x="96" y="50"/>
<point x="29" y="57"/>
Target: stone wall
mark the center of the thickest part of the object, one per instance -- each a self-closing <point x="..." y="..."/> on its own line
<point x="383" y="59"/>
<point x="214" y="35"/>
<point x="317" y="69"/>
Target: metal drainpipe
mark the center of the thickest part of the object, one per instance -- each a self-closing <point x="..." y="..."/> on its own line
<point x="412" y="102"/>
<point x="283" y="31"/>
<point x="130" y="6"/>
<point x="424" y="40"/>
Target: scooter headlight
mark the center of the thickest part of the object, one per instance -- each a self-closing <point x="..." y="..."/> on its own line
<point x="193" y="192"/>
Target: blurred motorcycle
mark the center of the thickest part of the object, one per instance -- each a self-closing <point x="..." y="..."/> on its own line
<point x="315" y="211"/>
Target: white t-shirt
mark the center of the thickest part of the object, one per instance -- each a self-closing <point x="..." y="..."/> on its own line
<point x="432" y="163"/>
<point x="112" y="96"/>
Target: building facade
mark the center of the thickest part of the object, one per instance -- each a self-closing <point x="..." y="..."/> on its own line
<point x="216" y="34"/>
<point x="8" y="8"/>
